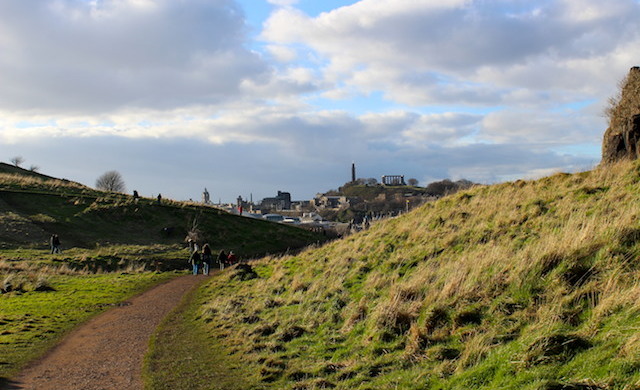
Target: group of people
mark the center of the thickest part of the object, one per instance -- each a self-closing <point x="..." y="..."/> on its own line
<point x="204" y="258"/>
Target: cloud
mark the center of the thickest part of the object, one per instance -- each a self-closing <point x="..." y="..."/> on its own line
<point x="282" y="53"/>
<point x="541" y="129"/>
<point x="71" y="56"/>
<point x="470" y="52"/>
<point x="300" y="154"/>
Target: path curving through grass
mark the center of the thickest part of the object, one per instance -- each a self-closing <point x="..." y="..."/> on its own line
<point x="108" y="351"/>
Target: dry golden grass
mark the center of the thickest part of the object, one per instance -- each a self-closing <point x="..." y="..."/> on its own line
<point x="24" y="181"/>
<point x="453" y="284"/>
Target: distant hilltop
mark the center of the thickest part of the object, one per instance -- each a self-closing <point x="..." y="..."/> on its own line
<point x="16" y="170"/>
<point x="622" y="138"/>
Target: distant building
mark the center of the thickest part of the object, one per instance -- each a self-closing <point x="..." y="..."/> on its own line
<point x="301" y="205"/>
<point x="280" y="202"/>
<point x="393" y="180"/>
<point x="321" y="202"/>
<point x="205" y="197"/>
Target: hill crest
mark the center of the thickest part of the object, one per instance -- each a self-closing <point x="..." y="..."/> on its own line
<point x="18" y="171"/>
<point x="34" y="206"/>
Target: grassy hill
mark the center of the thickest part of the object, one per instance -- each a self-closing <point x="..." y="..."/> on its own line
<point x="522" y="285"/>
<point x="15" y="170"/>
<point x="34" y="206"/>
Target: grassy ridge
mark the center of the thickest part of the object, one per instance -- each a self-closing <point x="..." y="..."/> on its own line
<point x="523" y="285"/>
<point x="33" y="206"/>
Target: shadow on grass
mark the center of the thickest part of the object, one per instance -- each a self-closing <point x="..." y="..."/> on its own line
<point x="7" y="384"/>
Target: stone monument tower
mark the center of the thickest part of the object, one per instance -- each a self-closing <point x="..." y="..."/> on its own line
<point x="353" y="171"/>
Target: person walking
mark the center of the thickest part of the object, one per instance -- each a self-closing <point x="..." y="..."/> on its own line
<point x="222" y="259"/>
<point x="232" y="259"/>
<point x="55" y="244"/>
<point x="196" y="261"/>
<point x="206" y="259"/>
<point x="192" y="245"/>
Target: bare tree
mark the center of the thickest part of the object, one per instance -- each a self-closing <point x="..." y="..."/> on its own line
<point x="17" y="161"/>
<point x="110" y="181"/>
<point x="34" y="168"/>
<point x="194" y="234"/>
<point x="413" y="182"/>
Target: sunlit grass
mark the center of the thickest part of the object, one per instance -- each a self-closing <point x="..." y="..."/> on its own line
<point x="530" y="284"/>
<point x="40" y="308"/>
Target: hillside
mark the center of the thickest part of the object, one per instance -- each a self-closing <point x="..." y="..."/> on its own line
<point x="371" y="193"/>
<point x="34" y="206"/>
<point x="522" y="285"/>
<point x="371" y="200"/>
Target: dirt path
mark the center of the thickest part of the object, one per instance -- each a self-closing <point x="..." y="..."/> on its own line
<point x="107" y="352"/>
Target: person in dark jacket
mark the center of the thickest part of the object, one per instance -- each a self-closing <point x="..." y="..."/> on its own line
<point x="55" y="244"/>
<point x="222" y="259"/>
<point x="206" y="259"/>
<point x="196" y="261"/>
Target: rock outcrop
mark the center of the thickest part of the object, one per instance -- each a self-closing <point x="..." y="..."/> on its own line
<point x="622" y="138"/>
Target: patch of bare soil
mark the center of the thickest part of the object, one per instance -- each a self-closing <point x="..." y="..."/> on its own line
<point x="107" y="352"/>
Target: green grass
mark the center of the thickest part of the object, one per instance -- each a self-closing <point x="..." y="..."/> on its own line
<point x="183" y="356"/>
<point x="32" y="321"/>
<point x="100" y="259"/>
<point x="523" y="285"/>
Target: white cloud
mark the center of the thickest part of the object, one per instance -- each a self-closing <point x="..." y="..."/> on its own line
<point x="541" y="129"/>
<point x="75" y="56"/>
<point x="417" y="132"/>
<point x="471" y="52"/>
<point x="282" y="53"/>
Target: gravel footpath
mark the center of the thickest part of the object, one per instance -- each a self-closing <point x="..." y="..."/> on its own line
<point x="107" y="352"/>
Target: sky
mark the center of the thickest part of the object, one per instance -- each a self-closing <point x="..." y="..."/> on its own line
<point x="249" y="97"/>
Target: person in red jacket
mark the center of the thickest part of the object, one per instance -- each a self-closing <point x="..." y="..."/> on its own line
<point x="232" y="259"/>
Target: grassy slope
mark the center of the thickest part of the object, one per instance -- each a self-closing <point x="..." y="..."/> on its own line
<point x="33" y="207"/>
<point x="183" y="356"/>
<point x="523" y="285"/>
